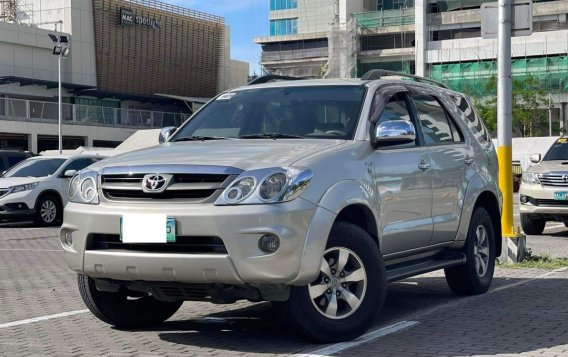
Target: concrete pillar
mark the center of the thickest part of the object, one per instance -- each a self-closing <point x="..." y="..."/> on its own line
<point x="421" y="36"/>
<point x="32" y="143"/>
<point x="562" y="118"/>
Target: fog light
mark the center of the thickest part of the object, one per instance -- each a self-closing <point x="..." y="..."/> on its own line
<point x="269" y="243"/>
<point x="68" y="238"/>
<point x="524" y="199"/>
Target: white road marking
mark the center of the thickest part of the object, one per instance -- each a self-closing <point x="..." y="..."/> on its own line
<point x="42" y="318"/>
<point x="29" y="250"/>
<point x="338" y="347"/>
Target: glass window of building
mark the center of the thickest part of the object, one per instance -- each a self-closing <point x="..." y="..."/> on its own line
<point x="283" y="4"/>
<point x="283" y="27"/>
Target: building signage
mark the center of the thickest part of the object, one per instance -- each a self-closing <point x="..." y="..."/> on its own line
<point x="127" y="18"/>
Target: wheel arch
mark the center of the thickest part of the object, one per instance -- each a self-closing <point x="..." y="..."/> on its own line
<point x="361" y="216"/>
<point x="50" y="192"/>
<point x="488" y="201"/>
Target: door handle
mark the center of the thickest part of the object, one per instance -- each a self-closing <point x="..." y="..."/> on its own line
<point x="468" y="161"/>
<point x="423" y="166"/>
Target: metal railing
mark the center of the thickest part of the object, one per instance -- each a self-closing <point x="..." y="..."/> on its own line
<point x="38" y="111"/>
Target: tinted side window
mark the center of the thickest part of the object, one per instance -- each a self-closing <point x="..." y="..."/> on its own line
<point x="435" y="123"/>
<point x="397" y="109"/>
<point x="14" y="159"/>
<point x="79" y="164"/>
<point x="2" y="166"/>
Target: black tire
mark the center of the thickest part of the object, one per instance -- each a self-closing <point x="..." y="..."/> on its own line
<point x="301" y="312"/>
<point x="531" y="226"/>
<point x="117" y="310"/>
<point x="469" y="279"/>
<point x="44" y="215"/>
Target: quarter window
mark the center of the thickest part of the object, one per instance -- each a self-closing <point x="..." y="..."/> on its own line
<point x="436" y="126"/>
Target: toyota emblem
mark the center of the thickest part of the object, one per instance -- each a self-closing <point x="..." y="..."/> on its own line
<point x="565" y="178"/>
<point x="155" y="183"/>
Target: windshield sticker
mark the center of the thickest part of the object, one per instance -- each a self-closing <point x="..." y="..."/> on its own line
<point x="226" y="96"/>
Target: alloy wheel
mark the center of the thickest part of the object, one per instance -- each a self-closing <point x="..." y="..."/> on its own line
<point x="340" y="287"/>
<point x="48" y="211"/>
<point x="481" y="251"/>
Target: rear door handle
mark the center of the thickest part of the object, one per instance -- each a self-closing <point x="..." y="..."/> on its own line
<point x="468" y="161"/>
<point x="423" y="166"/>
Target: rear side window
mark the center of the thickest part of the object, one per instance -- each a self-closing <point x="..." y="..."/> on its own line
<point x="472" y="120"/>
<point x="436" y="126"/>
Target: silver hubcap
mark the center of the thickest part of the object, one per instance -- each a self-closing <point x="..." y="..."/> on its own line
<point x="48" y="211"/>
<point x="341" y="285"/>
<point x="481" y="251"/>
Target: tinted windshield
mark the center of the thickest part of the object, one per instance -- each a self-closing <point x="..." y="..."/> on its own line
<point x="35" y="168"/>
<point x="329" y="112"/>
<point x="558" y="151"/>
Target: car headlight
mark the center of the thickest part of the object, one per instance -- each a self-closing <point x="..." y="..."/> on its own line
<point x="530" y="178"/>
<point x="83" y="188"/>
<point x="22" y="188"/>
<point x="273" y="185"/>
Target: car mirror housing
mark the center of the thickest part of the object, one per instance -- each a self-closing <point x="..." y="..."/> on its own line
<point x="395" y="131"/>
<point x="535" y="158"/>
<point x="166" y="133"/>
<point x="69" y="173"/>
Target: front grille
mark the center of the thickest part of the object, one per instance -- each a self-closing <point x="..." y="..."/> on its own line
<point x="184" y="187"/>
<point x="183" y="244"/>
<point x="554" y="179"/>
<point x="554" y="203"/>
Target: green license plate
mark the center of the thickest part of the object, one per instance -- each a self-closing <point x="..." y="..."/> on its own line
<point x="171" y="230"/>
<point x="561" y="196"/>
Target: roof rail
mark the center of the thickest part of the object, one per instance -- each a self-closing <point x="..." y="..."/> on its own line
<point x="274" y="77"/>
<point x="380" y="73"/>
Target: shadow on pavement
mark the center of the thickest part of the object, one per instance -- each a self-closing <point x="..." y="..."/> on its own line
<point x="528" y="317"/>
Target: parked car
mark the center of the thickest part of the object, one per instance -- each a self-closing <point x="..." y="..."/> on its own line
<point x="311" y="194"/>
<point x="37" y="188"/>
<point x="9" y="158"/>
<point x="544" y="189"/>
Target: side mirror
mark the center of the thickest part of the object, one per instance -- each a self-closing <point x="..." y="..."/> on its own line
<point x="395" y="131"/>
<point x="535" y="158"/>
<point x="69" y="173"/>
<point x="166" y="133"/>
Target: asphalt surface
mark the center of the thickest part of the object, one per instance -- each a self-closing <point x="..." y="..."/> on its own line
<point x="41" y="314"/>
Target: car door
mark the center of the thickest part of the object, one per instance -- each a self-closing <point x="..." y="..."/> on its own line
<point x="403" y="182"/>
<point x="449" y="157"/>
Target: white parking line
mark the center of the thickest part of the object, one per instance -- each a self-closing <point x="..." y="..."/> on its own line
<point x="42" y="318"/>
<point x="29" y="250"/>
<point x="338" y="347"/>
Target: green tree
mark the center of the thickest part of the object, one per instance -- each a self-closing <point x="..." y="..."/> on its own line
<point x="527" y="97"/>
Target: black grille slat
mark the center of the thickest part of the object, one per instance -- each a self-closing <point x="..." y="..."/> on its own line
<point x="166" y="195"/>
<point x="553" y="179"/>
<point x="183" y="244"/>
<point x="558" y="203"/>
<point x="198" y="178"/>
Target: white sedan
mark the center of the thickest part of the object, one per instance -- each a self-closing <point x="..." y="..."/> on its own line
<point x="37" y="188"/>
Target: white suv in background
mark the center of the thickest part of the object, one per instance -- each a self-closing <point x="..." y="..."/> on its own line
<point x="37" y="188"/>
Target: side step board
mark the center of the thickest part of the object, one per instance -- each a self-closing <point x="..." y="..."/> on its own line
<point x="405" y="270"/>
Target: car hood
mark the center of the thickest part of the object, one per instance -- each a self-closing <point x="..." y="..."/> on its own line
<point x="549" y="166"/>
<point x="6" y="182"/>
<point x="242" y="154"/>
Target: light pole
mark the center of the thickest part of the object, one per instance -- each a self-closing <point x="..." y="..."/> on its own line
<point x="61" y="50"/>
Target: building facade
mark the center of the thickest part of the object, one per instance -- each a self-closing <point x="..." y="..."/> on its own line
<point x="436" y="38"/>
<point x="130" y="62"/>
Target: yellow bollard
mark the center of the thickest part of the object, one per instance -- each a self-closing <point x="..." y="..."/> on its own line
<point x="505" y="157"/>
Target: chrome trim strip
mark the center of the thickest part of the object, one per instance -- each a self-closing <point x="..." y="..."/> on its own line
<point x="170" y="169"/>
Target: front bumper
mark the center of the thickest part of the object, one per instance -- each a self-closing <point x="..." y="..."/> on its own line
<point x="17" y="206"/>
<point x="540" y="200"/>
<point x="303" y="229"/>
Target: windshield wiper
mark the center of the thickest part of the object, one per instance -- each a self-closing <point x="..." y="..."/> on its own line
<point x="202" y="138"/>
<point x="270" y="136"/>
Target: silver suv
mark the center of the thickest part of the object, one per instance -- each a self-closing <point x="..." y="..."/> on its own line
<point x="311" y="194"/>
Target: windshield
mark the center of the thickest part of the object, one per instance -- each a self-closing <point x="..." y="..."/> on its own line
<point x="35" y="168"/>
<point x="558" y="151"/>
<point x="327" y="112"/>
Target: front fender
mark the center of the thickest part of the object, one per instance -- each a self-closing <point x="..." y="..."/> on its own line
<point x="335" y="199"/>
